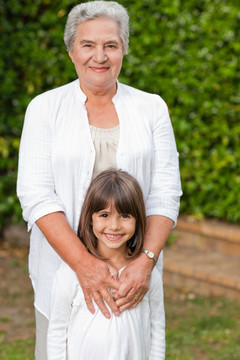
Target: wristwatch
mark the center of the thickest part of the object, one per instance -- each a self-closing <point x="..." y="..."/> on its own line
<point x="150" y="254"/>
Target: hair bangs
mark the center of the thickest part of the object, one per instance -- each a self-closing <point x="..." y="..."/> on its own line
<point x="113" y="188"/>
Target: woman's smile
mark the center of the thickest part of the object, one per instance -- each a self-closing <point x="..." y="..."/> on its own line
<point x="97" y="49"/>
<point x="99" y="69"/>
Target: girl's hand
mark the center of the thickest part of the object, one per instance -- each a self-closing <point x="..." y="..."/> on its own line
<point x="134" y="282"/>
<point x="96" y="277"/>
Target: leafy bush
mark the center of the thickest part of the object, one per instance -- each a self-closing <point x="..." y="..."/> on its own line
<point x="188" y="52"/>
<point x="185" y="51"/>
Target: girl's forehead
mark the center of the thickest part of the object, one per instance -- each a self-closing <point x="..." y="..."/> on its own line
<point x="110" y="205"/>
<point x="115" y="203"/>
<point x="112" y="208"/>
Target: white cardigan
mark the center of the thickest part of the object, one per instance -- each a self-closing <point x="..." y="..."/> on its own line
<point x="57" y="157"/>
<point x="74" y="333"/>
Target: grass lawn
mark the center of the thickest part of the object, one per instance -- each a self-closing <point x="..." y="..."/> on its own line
<point x="201" y="328"/>
<point x="17" y="350"/>
<point x="197" y="329"/>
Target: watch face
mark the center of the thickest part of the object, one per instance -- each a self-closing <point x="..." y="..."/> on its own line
<point x="151" y="254"/>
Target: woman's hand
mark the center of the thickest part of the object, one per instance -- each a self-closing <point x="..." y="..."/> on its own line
<point x="134" y="282"/>
<point x="136" y="276"/>
<point x="96" y="277"/>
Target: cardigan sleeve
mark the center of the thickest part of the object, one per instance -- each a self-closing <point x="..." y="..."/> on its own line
<point x="157" y="317"/>
<point x="35" y="183"/>
<point x="165" y="187"/>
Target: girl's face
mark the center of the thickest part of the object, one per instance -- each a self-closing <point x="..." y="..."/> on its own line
<point x="112" y="229"/>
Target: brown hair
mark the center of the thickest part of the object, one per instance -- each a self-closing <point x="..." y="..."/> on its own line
<point x="121" y="189"/>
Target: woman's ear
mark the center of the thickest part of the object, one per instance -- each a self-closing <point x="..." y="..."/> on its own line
<point x="70" y="53"/>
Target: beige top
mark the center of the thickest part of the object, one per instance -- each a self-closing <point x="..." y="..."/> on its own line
<point x="105" y="142"/>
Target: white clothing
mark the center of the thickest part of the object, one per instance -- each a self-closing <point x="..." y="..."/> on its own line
<point x="57" y="157"/>
<point x="41" y="323"/>
<point x="74" y="333"/>
<point x="105" y="142"/>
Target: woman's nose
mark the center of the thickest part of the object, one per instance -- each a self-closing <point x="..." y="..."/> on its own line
<point x="100" y="54"/>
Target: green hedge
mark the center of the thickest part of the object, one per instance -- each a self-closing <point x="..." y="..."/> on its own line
<point x="186" y="51"/>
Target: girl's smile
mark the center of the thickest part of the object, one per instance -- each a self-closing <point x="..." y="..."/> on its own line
<point x="112" y="229"/>
<point x="113" y="237"/>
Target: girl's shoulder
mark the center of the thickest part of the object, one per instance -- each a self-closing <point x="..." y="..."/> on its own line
<point x="66" y="276"/>
<point x="64" y="271"/>
<point x="65" y="286"/>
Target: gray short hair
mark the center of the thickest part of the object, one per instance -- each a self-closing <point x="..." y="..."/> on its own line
<point x="96" y="9"/>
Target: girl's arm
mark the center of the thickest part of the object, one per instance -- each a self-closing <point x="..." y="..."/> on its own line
<point x="60" y="311"/>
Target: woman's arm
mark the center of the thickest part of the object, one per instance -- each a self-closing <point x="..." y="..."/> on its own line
<point x="162" y="205"/>
<point x="158" y="231"/>
<point x="42" y="205"/>
<point x="135" y="277"/>
<point x="95" y="276"/>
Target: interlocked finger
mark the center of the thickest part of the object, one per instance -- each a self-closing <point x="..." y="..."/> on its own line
<point x="100" y="303"/>
<point x="137" y="298"/>
<point x="89" y="302"/>
<point x="110" y="301"/>
<point x="132" y="300"/>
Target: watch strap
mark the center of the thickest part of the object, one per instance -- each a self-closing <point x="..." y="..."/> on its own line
<point x="150" y="255"/>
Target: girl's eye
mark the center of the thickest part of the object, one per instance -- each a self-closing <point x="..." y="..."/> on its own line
<point x="104" y="215"/>
<point x="125" y="216"/>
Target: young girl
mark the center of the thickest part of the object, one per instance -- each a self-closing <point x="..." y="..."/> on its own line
<point x="112" y="226"/>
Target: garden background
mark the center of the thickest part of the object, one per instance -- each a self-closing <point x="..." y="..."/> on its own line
<point x="186" y="51"/>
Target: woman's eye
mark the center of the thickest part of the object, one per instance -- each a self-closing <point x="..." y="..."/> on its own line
<point x="125" y="216"/>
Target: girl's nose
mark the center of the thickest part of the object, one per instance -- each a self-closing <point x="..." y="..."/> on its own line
<point x="115" y="224"/>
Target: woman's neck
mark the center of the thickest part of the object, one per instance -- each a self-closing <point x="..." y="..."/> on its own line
<point x="100" y="108"/>
<point x="99" y="95"/>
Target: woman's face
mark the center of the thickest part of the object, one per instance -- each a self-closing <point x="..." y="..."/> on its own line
<point x="97" y="53"/>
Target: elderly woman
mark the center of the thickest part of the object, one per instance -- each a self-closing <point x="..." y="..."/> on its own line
<point x="72" y="133"/>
